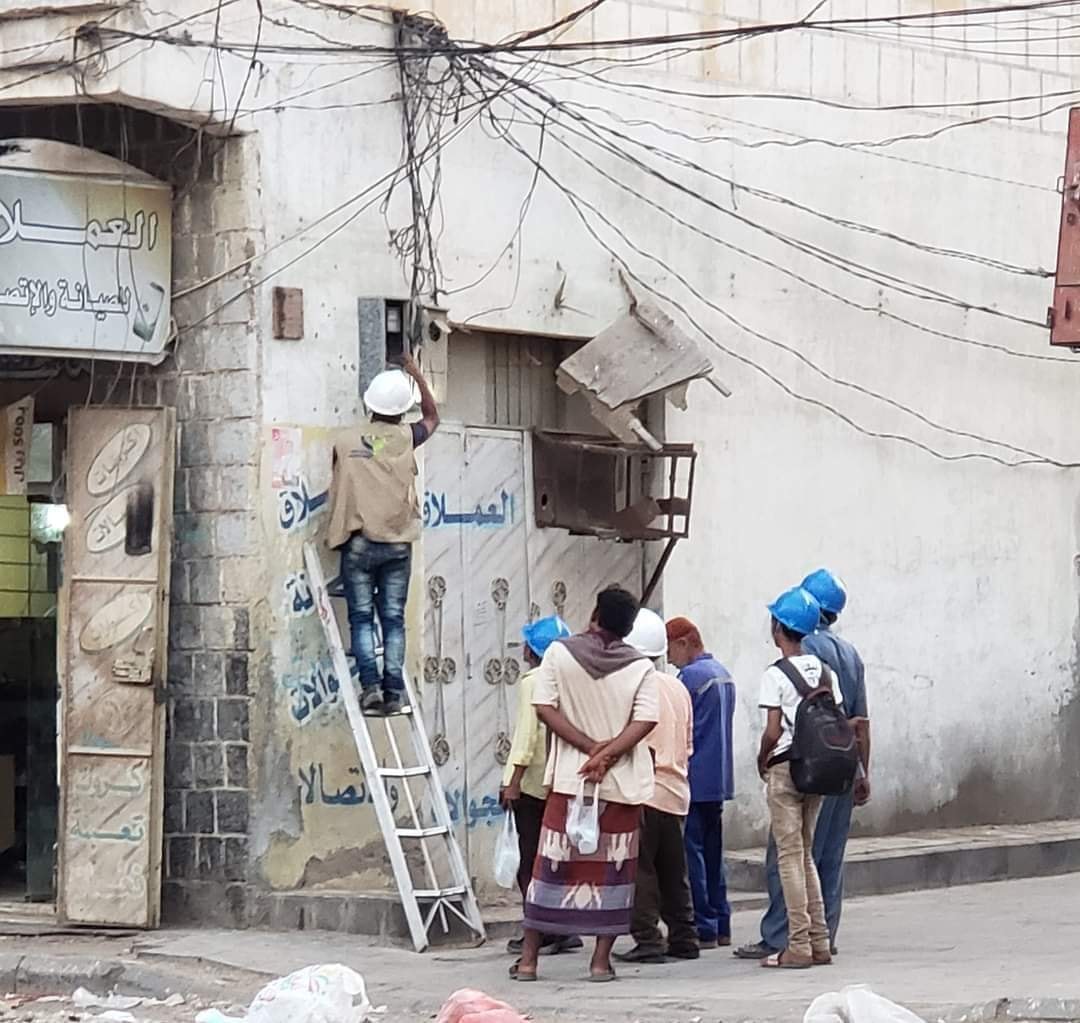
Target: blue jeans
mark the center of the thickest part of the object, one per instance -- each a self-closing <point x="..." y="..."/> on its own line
<point x="376" y="578"/>
<point x="705" y="864"/>
<point x="830" y="841"/>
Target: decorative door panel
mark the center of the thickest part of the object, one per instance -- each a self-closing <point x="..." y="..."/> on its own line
<point x="114" y="638"/>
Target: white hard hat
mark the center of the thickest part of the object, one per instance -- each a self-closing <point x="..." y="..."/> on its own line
<point x="649" y="634"/>
<point x="389" y="394"/>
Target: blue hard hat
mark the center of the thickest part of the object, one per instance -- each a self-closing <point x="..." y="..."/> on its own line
<point x="829" y="590"/>
<point x="797" y="609"/>
<point x="539" y="635"/>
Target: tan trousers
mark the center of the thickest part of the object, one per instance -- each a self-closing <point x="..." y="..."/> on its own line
<point x="794" y="817"/>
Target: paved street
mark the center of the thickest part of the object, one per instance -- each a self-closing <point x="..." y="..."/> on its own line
<point x="932" y="950"/>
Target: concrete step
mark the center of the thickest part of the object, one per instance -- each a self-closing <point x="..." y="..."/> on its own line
<point x="938" y="859"/>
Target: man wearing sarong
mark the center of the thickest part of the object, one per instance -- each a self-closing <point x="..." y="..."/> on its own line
<point x="599" y="699"/>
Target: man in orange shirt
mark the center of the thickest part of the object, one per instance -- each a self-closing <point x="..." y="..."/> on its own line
<point x="662" y="890"/>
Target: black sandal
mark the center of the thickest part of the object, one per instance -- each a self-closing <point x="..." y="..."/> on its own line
<point x="521" y="978"/>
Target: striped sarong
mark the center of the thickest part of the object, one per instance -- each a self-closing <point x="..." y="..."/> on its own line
<point x="574" y="894"/>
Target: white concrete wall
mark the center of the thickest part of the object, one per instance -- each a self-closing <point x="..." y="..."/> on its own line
<point x="962" y="573"/>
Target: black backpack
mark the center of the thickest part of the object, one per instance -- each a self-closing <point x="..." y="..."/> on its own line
<point x="824" y="755"/>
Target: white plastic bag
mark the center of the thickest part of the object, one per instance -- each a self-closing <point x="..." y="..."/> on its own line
<point x="315" y="994"/>
<point x="857" y="1004"/>
<point x="583" y="821"/>
<point x="507" y="853"/>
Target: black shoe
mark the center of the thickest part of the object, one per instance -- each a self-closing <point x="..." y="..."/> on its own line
<point x="393" y="704"/>
<point x="560" y="944"/>
<point x="514" y="946"/>
<point x="683" y="952"/>
<point x="640" y="954"/>
<point x="371" y="702"/>
<point x="833" y="950"/>
<point x="755" y="950"/>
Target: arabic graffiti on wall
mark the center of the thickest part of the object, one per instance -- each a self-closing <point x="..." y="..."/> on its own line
<point x="133" y="832"/>
<point x="314" y="790"/>
<point x="299" y="599"/>
<point x="319" y="689"/>
<point x="435" y="513"/>
<point x="296" y="506"/>
<point x="90" y="263"/>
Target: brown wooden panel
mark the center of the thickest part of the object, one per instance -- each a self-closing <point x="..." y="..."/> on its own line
<point x="114" y="620"/>
<point x="111" y="460"/>
<point x="115" y="633"/>
<point x="107" y="827"/>
<point x="1065" y="312"/>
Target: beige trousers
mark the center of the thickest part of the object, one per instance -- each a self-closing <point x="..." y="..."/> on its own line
<point x="794" y="816"/>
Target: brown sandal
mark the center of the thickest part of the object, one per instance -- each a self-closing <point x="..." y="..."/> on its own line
<point x="786" y="961"/>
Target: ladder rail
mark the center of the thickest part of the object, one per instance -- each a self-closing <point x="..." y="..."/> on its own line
<point x="415" y="814"/>
<point x="364" y="745"/>
<point x="422" y="745"/>
<point x="461" y="888"/>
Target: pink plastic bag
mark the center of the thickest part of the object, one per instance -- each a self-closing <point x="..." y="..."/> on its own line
<point x="471" y="1006"/>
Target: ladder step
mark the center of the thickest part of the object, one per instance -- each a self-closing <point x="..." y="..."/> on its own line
<point x="440" y="893"/>
<point x="422" y="832"/>
<point x="404" y="772"/>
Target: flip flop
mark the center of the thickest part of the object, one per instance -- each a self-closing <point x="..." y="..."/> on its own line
<point x="778" y="962"/>
<point x="602" y="978"/>
<point x="521" y="978"/>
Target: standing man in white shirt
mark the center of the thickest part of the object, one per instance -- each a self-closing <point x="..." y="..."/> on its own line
<point x="793" y="814"/>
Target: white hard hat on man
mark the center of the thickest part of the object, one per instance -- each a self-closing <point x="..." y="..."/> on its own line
<point x="389" y="394"/>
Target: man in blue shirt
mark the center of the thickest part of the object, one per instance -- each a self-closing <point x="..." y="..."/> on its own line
<point x="834" y="823"/>
<point x="712" y="777"/>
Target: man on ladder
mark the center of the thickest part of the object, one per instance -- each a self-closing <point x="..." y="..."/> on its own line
<point x="374" y="521"/>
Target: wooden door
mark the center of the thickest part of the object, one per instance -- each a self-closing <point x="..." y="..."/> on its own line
<point x="113" y="640"/>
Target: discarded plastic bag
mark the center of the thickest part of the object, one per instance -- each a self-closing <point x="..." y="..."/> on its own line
<point x="471" y="1006"/>
<point x="583" y="821"/>
<point x="857" y="1004"/>
<point x="507" y="854"/>
<point x="315" y="994"/>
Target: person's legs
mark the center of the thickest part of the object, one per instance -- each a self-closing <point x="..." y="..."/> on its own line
<point x="715" y="888"/>
<point x="601" y="960"/>
<point x="644" y="922"/>
<point x="358" y="582"/>
<point x="529" y="818"/>
<point x="696" y="869"/>
<point x="718" y="885"/>
<point x="530" y="953"/>
<point x="830" y="845"/>
<point x="391" y="593"/>
<point x="786" y="814"/>
<point x="815" y="907"/>
<point x="676" y="902"/>
<point x="774" y="922"/>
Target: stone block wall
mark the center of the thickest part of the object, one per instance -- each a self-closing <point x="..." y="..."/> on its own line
<point x="210" y="377"/>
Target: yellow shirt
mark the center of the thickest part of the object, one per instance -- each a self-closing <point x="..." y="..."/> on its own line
<point x="529" y="746"/>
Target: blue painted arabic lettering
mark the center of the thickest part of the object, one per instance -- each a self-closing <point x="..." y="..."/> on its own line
<point x="435" y="513"/>
<point x="296" y="506"/>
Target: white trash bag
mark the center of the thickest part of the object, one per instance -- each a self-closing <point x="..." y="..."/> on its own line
<point x="315" y="994"/>
<point x="583" y="821"/>
<point x="507" y="853"/>
<point x="857" y="1004"/>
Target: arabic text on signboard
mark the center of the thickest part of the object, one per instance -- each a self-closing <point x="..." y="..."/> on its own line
<point x="86" y="265"/>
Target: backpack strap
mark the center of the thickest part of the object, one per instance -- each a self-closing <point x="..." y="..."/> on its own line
<point x="794" y="676"/>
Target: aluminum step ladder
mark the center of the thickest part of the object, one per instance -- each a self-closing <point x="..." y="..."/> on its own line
<point x="422" y="905"/>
